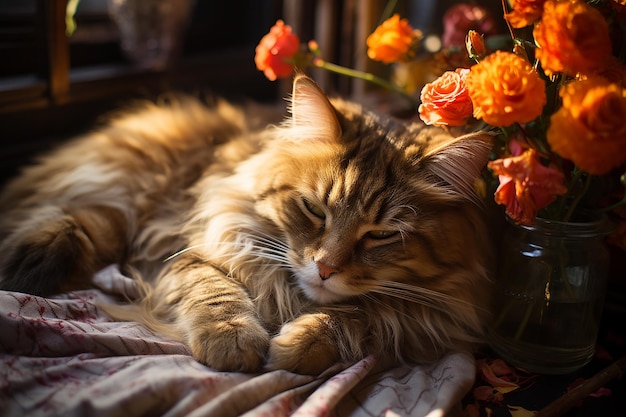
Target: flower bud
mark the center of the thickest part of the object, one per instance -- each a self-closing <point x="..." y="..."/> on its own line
<point x="520" y="51"/>
<point x="314" y="47"/>
<point x="475" y="44"/>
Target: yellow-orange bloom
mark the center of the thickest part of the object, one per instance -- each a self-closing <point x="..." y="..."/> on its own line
<point x="524" y="12"/>
<point x="589" y="128"/>
<point x="392" y="40"/>
<point x="505" y="89"/>
<point x="572" y="37"/>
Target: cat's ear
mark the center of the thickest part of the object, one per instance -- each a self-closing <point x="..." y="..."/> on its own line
<point x="312" y="112"/>
<point x="459" y="160"/>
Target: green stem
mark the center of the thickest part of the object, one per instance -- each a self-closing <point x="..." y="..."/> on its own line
<point x="338" y="69"/>
<point x="622" y="180"/>
<point x="503" y="314"/>
<point x="389" y="8"/>
<point x="616" y="205"/>
<point x="580" y="195"/>
<point x="563" y="254"/>
<point x="522" y="325"/>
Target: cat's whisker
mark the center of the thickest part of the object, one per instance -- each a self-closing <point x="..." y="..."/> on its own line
<point x="380" y="302"/>
<point x="271" y="240"/>
<point x="275" y="266"/>
<point x="269" y="243"/>
<point x="271" y="251"/>
<point x="413" y="288"/>
<point x="280" y="259"/>
<point x="182" y="251"/>
<point x="411" y="208"/>
<point x="412" y="298"/>
<point x="263" y="236"/>
<point x="190" y="248"/>
<point x="430" y="333"/>
<point x="421" y="295"/>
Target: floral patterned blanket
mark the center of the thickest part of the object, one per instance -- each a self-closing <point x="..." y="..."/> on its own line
<point x="63" y="356"/>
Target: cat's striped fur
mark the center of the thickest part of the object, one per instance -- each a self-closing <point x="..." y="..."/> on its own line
<point x="336" y="234"/>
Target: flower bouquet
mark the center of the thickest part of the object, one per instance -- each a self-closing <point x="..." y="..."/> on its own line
<point x="556" y="99"/>
<point x="552" y="92"/>
<point x="557" y="106"/>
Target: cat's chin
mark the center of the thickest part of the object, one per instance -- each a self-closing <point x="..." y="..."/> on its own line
<point x="320" y="295"/>
<point x="320" y="291"/>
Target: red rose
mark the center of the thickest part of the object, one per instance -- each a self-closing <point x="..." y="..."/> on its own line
<point x="275" y="51"/>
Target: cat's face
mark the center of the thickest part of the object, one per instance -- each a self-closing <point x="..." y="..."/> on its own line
<point x="350" y="233"/>
<point x="359" y="204"/>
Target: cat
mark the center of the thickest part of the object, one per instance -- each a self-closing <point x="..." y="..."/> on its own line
<point x="335" y="234"/>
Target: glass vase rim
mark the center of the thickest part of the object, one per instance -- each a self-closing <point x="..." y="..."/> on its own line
<point x="596" y="224"/>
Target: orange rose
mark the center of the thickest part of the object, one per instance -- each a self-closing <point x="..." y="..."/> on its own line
<point x="526" y="185"/>
<point x="505" y="89"/>
<point x="391" y="41"/>
<point x="572" y="37"/>
<point x="589" y="128"/>
<point x="525" y="12"/>
<point x="445" y="101"/>
<point x="275" y="50"/>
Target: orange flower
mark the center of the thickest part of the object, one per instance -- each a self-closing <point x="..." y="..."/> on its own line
<point x="505" y="89"/>
<point x="475" y="45"/>
<point x="524" y="12"/>
<point x="275" y="50"/>
<point x="445" y="101"/>
<point x="392" y="40"/>
<point x="572" y="37"/>
<point x="526" y="185"/>
<point x="589" y="128"/>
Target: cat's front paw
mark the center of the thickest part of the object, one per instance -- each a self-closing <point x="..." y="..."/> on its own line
<point x="239" y="344"/>
<point x="305" y="346"/>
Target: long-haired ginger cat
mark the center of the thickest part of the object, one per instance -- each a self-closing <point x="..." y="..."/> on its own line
<point x="334" y="235"/>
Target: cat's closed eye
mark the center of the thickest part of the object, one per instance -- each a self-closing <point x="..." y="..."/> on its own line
<point x="381" y="234"/>
<point x="314" y="209"/>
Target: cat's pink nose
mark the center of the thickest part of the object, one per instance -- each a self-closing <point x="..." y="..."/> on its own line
<point x="326" y="271"/>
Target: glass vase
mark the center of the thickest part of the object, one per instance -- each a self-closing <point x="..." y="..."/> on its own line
<point x="549" y="295"/>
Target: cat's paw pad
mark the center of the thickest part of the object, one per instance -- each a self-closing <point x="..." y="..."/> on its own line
<point x="239" y="344"/>
<point x="305" y="346"/>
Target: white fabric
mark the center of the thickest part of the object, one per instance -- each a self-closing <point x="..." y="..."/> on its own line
<point x="62" y="356"/>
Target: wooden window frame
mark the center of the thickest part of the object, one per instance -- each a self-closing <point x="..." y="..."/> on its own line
<point x="57" y="101"/>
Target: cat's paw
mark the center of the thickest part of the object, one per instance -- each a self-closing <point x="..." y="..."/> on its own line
<point x="239" y="344"/>
<point x="305" y="346"/>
